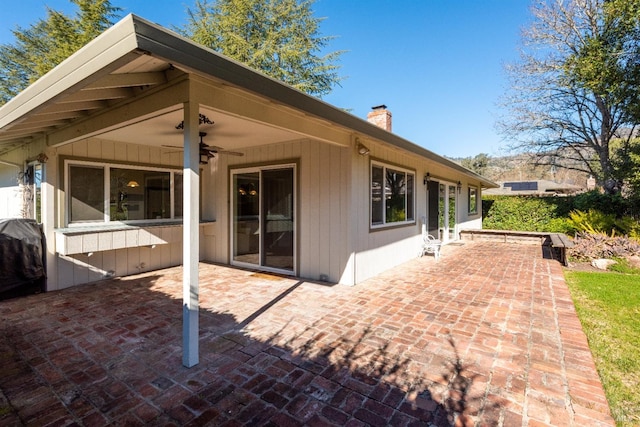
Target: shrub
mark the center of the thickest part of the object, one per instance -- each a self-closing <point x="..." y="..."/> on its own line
<point x="593" y="246"/>
<point x="523" y="213"/>
<point x="596" y="222"/>
<point x="609" y="204"/>
<point x="560" y="225"/>
<point x="590" y="211"/>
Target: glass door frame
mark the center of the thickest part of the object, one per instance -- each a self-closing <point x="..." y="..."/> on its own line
<point x="443" y="219"/>
<point x="261" y="220"/>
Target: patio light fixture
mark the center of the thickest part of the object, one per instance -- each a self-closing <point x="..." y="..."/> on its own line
<point x="427" y="178"/>
<point x="362" y="149"/>
<point x="459" y="187"/>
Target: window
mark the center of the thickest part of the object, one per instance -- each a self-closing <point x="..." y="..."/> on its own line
<point x="392" y="195"/>
<point x="86" y="192"/>
<point x="113" y="193"/>
<point x="473" y="200"/>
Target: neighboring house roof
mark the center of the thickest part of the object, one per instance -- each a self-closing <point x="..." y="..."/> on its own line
<point x="135" y="56"/>
<point x="533" y="188"/>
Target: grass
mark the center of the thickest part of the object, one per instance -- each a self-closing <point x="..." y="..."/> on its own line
<point x="623" y="266"/>
<point x="608" y="305"/>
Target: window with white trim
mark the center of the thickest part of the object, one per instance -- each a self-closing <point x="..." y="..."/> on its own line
<point x="472" y="200"/>
<point x="103" y="193"/>
<point x="392" y="195"/>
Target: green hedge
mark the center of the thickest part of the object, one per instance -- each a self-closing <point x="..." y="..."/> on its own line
<point x="549" y="214"/>
<point x="523" y="213"/>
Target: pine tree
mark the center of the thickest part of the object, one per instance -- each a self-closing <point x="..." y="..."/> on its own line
<point x="278" y="37"/>
<point x="46" y="43"/>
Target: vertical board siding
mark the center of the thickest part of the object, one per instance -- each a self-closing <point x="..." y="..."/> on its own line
<point x="337" y="179"/>
<point x="96" y="149"/>
<point x="322" y="187"/>
<point x="334" y="239"/>
<point x="379" y="250"/>
<point x="316" y="243"/>
<point x="81" y="268"/>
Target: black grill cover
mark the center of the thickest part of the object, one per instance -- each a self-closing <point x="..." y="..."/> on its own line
<point x="21" y="250"/>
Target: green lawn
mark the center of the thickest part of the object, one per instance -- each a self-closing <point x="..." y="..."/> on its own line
<point x="608" y="305"/>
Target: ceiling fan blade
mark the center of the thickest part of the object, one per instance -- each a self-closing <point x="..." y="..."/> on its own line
<point x="231" y="153"/>
<point x="223" y="151"/>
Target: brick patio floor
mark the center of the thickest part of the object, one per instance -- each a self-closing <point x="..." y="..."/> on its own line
<point x="486" y="336"/>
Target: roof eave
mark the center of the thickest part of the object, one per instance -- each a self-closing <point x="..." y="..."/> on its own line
<point x="134" y="36"/>
<point x="105" y="53"/>
<point x="171" y="47"/>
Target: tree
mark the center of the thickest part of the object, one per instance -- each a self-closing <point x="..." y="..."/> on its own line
<point x="576" y="85"/>
<point x="48" y="42"/>
<point x="478" y="163"/>
<point x="278" y="37"/>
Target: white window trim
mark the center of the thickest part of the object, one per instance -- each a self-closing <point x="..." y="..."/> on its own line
<point x="107" y="189"/>
<point x="386" y="224"/>
<point x="33" y="188"/>
<point x="478" y="202"/>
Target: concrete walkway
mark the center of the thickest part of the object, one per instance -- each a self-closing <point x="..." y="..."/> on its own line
<point x="486" y="336"/>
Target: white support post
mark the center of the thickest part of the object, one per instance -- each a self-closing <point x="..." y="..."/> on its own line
<point x="48" y="207"/>
<point x="191" y="222"/>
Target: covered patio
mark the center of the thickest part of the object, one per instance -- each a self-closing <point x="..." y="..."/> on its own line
<point x="487" y="335"/>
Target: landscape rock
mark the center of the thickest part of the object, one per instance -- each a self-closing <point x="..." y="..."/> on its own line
<point x="603" y="264"/>
<point x="634" y="261"/>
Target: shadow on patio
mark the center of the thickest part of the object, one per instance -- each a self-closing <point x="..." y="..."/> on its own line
<point x="273" y="351"/>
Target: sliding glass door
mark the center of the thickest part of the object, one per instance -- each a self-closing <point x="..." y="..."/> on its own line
<point x="263" y="226"/>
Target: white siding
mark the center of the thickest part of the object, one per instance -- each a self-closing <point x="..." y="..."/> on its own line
<point x="111" y="253"/>
<point x="380" y="249"/>
<point x="11" y="194"/>
<point x="10" y="201"/>
<point x="323" y="209"/>
<point x="333" y="200"/>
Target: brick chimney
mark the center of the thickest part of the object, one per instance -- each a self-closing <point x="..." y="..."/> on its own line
<point x="380" y="117"/>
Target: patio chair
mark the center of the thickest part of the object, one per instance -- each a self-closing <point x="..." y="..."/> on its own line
<point x="430" y="245"/>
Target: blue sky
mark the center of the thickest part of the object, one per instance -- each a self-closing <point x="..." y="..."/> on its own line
<point x="437" y="64"/>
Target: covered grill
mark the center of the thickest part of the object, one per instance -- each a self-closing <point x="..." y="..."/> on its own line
<point x="22" y="269"/>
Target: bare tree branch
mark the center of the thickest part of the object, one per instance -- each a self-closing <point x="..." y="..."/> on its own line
<point x="578" y="72"/>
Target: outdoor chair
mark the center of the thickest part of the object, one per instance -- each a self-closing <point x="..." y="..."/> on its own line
<point x="430" y="245"/>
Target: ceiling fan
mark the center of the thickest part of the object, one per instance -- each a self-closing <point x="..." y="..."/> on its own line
<point x="207" y="151"/>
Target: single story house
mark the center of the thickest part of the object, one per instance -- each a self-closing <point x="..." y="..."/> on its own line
<point x="540" y="187"/>
<point x="144" y="150"/>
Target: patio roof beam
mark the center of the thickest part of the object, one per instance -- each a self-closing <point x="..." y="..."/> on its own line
<point x="98" y="95"/>
<point x="122" y="114"/>
<point x="249" y="106"/>
<point x="114" y="81"/>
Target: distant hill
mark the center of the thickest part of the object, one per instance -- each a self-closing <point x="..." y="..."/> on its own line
<point x="519" y="168"/>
